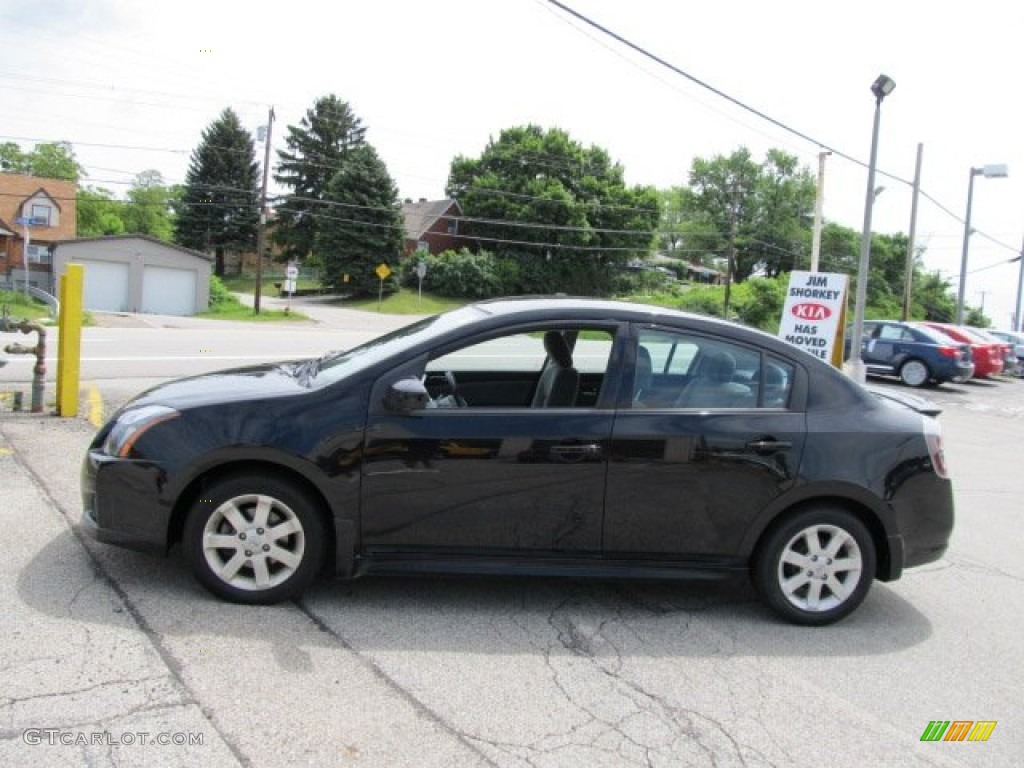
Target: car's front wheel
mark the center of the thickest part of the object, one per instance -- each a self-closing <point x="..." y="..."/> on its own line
<point x="816" y="566"/>
<point x="253" y="539"/>
<point x="914" y="373"/>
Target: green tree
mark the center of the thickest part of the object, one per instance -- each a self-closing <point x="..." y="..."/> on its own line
<point x="840" y="250"/>
<point x="724" y="190"/>
<point x="932" y="298"/>
<point x="561" y="212"/>
<point x="675" y="206"/>
<point x="98" y="213"/>
<point x="49" y="160"/>
<point x="218" y="209"/>
<point x="360" y="224"/>
<point x="150" y="206"/>
<point x="757" y="212"/>
<point x="317" y="149"/>
<point x="784" y="200"/>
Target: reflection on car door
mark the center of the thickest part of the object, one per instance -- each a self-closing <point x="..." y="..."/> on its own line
<point x="489" y="478"/>
<point x="687" y="481"/>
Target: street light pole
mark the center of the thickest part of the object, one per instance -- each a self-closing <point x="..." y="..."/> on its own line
<point x="989" y="172"/>
<point x="881" y="88"/>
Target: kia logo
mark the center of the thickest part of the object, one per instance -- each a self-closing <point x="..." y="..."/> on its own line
<point x="811" y="311"/>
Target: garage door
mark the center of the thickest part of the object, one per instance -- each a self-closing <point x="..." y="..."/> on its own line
<point x="106" y="286"/>
<point x="167" y="291"/>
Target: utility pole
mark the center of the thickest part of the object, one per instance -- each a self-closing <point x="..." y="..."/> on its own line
<point x="734" y="226"/>
<point x="983" y="295"/>
<point x="260" y="230"/>
<point x="908" y="276"/>
<point x="1018" y="322"/>
<point x="819" y="200"/>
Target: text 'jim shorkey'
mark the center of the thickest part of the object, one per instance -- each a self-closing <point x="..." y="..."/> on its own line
<point x="958" y="730"/>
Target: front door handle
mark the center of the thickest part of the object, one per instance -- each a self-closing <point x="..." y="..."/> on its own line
<point x="767" y="445"/>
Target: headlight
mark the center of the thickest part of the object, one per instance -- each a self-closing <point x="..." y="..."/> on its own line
<point x="133" y="424"/>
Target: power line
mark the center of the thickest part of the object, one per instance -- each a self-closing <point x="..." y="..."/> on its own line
<point x="746" y="107"/>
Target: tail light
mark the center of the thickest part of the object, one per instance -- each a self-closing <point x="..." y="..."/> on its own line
<point x="948" y="351"/>
<point x="933" y="438"/>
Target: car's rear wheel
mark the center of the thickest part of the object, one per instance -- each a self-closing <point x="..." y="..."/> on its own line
<point x="914" y="373"/>
<point x="816" y="566"/>
<point x="253" y="539"/>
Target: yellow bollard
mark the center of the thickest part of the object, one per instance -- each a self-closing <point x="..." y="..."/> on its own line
<point x="69" y="343"/>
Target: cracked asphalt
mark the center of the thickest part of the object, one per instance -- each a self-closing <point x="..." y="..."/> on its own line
<point x="100" y="646"/>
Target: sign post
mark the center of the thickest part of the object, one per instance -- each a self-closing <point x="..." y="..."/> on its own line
<point x="814" y="315"/>
<point x="291" y="275"/>
<point x="383" y="271"/>
<point x="421" y="272"/>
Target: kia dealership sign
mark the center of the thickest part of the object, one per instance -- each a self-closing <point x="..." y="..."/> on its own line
<point x="813" y="316"/>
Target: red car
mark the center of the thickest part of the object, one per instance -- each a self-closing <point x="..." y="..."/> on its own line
<point x="988" y="355"/>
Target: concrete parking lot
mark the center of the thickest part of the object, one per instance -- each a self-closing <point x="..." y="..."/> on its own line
<point x="107" y="653"/>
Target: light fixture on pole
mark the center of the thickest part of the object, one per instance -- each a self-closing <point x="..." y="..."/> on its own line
<point x="989" y="172"/>
<point x="881" y="88"/>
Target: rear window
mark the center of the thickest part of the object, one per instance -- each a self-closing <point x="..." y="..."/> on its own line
<point x="936" y="336"/>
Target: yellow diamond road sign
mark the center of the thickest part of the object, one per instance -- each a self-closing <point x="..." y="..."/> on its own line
<point x="383" y="270"/>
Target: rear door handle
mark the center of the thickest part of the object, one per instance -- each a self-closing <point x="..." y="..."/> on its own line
<point x="575" y="452"/>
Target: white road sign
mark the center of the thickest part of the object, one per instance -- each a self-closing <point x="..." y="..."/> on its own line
<point x="813" y="316"/>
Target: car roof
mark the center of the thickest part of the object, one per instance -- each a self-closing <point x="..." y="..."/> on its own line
<point x="546" y="307"/>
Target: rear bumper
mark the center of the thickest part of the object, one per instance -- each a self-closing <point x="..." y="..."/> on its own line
<point x="924" y="517"/>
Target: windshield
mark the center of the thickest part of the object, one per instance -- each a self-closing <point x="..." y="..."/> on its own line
<point x="336" y="365"/>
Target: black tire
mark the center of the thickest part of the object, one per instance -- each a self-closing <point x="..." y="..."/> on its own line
<point x="816" y="566"/>
<point x="915" y="373"/>
<point x="259" y="563"/>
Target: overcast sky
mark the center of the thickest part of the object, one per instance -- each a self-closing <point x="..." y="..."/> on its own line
<point x="433" y="80"/>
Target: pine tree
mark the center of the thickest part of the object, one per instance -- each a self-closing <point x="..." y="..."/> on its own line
<point x="360" y="224"/>
<point x="317" y="149"/>
<point x="219" y="208"/>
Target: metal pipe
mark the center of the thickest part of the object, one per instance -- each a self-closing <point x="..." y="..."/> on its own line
<point x="39" y="350"/>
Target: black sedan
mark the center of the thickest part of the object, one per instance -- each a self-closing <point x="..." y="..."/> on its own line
<point x="542" y="436"/>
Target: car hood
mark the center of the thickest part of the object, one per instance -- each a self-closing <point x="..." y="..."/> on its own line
<point x="256" y="382"/>
<point x="913" y="402"/>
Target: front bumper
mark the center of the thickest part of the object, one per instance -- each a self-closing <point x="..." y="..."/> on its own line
<point x="121" y="502"/>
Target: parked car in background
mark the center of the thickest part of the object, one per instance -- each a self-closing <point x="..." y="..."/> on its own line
<point x="534" y="436"/>
<point x="916" y="354"/>
<point x="1016" y="342"/>
<point x="1017" y="339"/>
<point x="987" y="353"/>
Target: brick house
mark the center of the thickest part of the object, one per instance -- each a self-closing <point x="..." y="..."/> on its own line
<point x="432" y="226"/>
<point x="50" y="205"/>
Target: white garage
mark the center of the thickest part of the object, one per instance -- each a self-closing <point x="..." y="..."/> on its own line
<point x="167" y="291"/>
<point x="138" y="273"/>
<point x="106" y="286"/>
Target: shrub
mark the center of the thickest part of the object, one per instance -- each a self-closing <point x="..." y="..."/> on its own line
<point x="220" y="296"/>
<point x="458" y="274"/>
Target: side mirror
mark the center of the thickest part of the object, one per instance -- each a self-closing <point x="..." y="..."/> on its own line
<point x="406" y="395"/>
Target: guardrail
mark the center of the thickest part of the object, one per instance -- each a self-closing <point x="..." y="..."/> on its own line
<point x="46" y="298"/>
